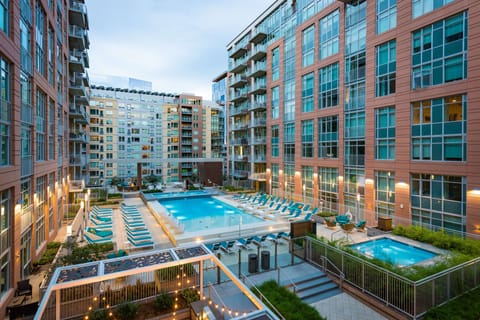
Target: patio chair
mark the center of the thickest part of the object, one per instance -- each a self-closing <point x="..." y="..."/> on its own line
<point x="228" y="246"/>
<point x="260" y="241"/>
<point x="360" y="226"/>
<point x="90" y="239"/>
<point x="24" y="288"/>
<point x="331" y="224"/>
<point x="348" y="227"/>
<point x="245" y="243"/>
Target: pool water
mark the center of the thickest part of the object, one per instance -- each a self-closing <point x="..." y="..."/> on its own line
<point x="166" y="195"/>
<point x="203" y="213"/>
<point x="395" y="252"/>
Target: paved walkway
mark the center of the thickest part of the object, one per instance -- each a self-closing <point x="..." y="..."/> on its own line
<point x="339" y="307"/>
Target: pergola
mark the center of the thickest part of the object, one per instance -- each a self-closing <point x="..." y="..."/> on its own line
<point x="75" y="290"/>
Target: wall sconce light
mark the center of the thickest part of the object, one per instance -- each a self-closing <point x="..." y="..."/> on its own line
<point x="401" y="205"/>
<point x="475" y="191"/>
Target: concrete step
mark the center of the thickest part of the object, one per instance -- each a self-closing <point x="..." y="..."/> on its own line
<point x="315" y="291"/>
<point x="313" y="283"/>
<point x="324" y="295"/>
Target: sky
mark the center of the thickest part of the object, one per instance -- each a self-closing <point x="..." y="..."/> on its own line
<point x="178" y="45"/>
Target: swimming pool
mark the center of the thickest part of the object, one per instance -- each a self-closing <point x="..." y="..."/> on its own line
<point x="203" y="213"/>
<point x="191" y="193"/>
<point x="393" y="251"/>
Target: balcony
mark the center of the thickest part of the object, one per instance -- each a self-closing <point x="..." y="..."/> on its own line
<point x="239" y="96"/>
<point x="240" y="174"/>
<point x="259" y="140"/>
<point x="186" y="119"/>
<point x="258" y="35"/>
<point x="239" y="51"/>
<point x="77" y="14"/>
<point x="258" y="123"/>
<point x="27" y="114"/>
<point x="238" y="65"/>
<point x="258" y="176"/>
<point x="78" y="112"/>
<point x="257" y="105"/>
<point x="241" y="158"/>
<point x="76" y="86"/>
<point x="78" y="37"/>
<point x="241" y="109"/>
<point x="78" y="137"/>
<point x="258" y="70"/>
<point x="26" y="61"/>
<point x="239" y="141"/>
<point x="239" y="126"/>
<point x="238" y="81"/>
<point x="259" y="159"/>
<point x="258" y="52"/>
<point x="259" y="88"/>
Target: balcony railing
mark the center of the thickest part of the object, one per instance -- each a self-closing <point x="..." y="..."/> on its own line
<point x="26" y="217"/>
<point x="258" y="52"/>
<point x="26" y="114"/>
<point x="26" y="61"/>
<point x="258" y="123"/>
<point x="4" y="110"/>
<point x="258" y="69"/>
<point x="256" y="105"/>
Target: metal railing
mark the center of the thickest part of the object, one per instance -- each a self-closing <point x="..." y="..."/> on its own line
<point x="411" y="298"/>
<point x="262" y="297"/>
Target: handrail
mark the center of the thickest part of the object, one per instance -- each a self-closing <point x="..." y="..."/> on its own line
<point x="288" y="278"/>
<point x="262" y="297"/>
<point x="447" y="271"/>
<point x="340" y="272"/>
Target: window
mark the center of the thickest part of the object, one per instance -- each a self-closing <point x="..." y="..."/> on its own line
<point x="328" y="86"/>
<point x="328" y="137"/>
<point x="386" y="15"/>
<point x="355" y="67"/>
<point x="307" y="183"/>
<point x="275" y="182"/>
<point x="51" y="130"/>
<point x="439" y="129"/>
<point x="41" y="203"/>
<point x="421" y="7"/>
<point x="385" y="133"/>
<point x="276" y="64"/>
<point x="329" y="35"/>
<point x="386" y="66"/>
<point x="6" y="206"/>
<point x="4" y="16"/>
<point x="289" y="100"/>
<point x="41" y="126"/>
<point x="275" y="102"/>
<point x="39" y="34"/>
<point x="354" y="125"/>
<point x="308" y="42"/>
<point x="439" y="52"/>
<point x="289" y="142"/>
<point x="354" y="153"/>
<point x="328" y="189"/>
<point x="275" y="141"/>
<point x="307" y="139"/>
<point x="25" y="51"/>
<point x="5" y="112"/>
<point x="438" y="201"/>
<point x="307" y="92"/>
<point x="384" y="193"/>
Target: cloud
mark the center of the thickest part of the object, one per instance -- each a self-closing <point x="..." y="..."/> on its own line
<point x="180" y="46"/>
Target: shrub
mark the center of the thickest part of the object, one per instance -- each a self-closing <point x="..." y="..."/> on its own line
<point x="164" y="301"/>
<point x="466" y="307"/>
<point x="98" y="315"/>
<point x="126" y="311"/>
<point x="287" y="303"/>
<point x="190" y="295"/>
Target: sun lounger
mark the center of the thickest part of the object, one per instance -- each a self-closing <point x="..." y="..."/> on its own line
<point x="245" y="243"/>
<point x="260" y="241"/>
<point x="141" y="244"/>
<point x="102" y="233"/>
<point x="228" y="246"/>
<point x="91" y="238"/>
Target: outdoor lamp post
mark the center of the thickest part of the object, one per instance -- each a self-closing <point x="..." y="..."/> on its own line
<point x="357" y="215"/>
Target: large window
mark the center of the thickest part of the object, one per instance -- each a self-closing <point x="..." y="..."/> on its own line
<point x="276" y="64"/>
<point x="4" y="15"/>
<point x="6" y="207"/>
<point x="41" y="126"/>
<point x="5" y="112"/>
<point x="439" y="129"/>
<point x="51" y="130"/>
<point x="421" y="7"/>
<point x="329" y="35"/>
<point x="275" y="141"/>
<point x="40" y="32"/>
<point x="328" y="189"/>
<point x="386" y="15"/>
<point x="289" y="100"/>
<point x="307" y="92"/>
<point x="41" y="203"/>
<point x="328" y="137"/>
<point x="328" y="86"/>
<point x="438" y="201"/>
<point x="354" y="125"/>
<point x="25" y="51"/>
<point x="307" y="183"/>
<point x="385" y="133"/>
<point x="439" y="52"/>
<point x="386" y="67"/>
<point x="307" y="139"/>
<point x="308" y="44"/>
<point x="289" y="142"/>
<point x="384" y="193"/>
<point x="275" y="102"/>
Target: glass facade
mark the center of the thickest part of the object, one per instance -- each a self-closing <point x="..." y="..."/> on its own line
<point x="329" y="35"/>
<point x="328" y="86"/>
<point x="385" y="69"/>
<point x="308" y="46"/>
<point x="438" y="201"/>
<point x="386" y="15"/>
<point x="307" y="138"/>
<point x="5" y="112"/>
<point x="439" y="129"/>
<point x="384" y="193"/>
<point x="307" y="92"/>
<point x="421" y="7"/>
<point x="328" y="137"/>
<point x="328" y="189"/>
<point x="439" y="52"/>
<point x="385" y="133"/>
<point x="275" y="141"/>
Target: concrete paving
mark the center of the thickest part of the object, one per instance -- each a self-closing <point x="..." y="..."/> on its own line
<point x="339" y="307"/>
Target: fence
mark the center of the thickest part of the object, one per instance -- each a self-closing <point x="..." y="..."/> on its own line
<point x="412" y="298"/>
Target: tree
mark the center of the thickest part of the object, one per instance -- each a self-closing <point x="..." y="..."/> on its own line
<point x="152" y="179"/>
